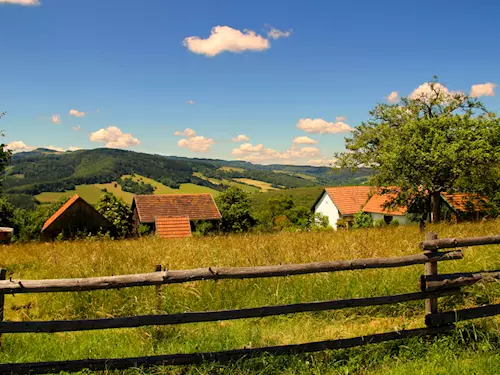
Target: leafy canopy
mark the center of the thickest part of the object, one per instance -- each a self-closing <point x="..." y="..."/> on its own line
<point x="234" y="207"/>
<point x="432" y="141"/>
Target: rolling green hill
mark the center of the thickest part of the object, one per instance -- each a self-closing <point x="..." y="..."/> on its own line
<point x="44" y="171"/>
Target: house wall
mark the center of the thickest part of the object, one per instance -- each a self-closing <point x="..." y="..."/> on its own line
<point x="326" y="207"/>
<point x="402" y="219"/>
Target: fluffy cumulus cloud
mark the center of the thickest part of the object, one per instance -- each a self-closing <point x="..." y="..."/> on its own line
<point x="426" y="91"/>
<point x="56" y="119"/>
<point x="274" y="33"/>
<point x="241" y="138"/>
<point x="320" y="126"/>
<point x="485" y="89"/>
<point x="321" y="162"/>
<point x="21" y="2"/>
<point x="226" y="39"/>
<point x="190" y="102"/>
<point x="74" y="112"/>
<point x="193" y="142"/>
<point x="77" y="128"/>
<point x="19" y="146"/>
<point x="393" y="97"/>
<point x="304" y="141"/>
<point x="113" y="137"/>
<point x="258" y="153"/>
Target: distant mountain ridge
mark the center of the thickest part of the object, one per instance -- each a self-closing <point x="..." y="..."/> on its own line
<point x="45" y="170"/>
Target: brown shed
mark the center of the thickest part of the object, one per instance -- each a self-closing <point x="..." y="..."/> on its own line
<point x="152" y="210"/>
<point x="75" y="216"/>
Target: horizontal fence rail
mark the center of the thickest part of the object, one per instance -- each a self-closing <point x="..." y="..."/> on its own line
<point x="466" y="314"/>
<point x="196" y="358"/>
<point x="448" y="243"/>
<point x="215" y="273"/>
<point x="209" y="316"/>
<point x="456" y="280"/>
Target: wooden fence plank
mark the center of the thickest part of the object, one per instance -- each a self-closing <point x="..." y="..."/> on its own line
<point x="456" y="280"/>
<point x="188" y="359"/>
<point x="431" y="268"/>
<point x="215" y="273"/>
<point x="466" y="314"/>
<point x="3" y="276"/>
<point x="208" y="316"/>
<point x="448" y="243"/>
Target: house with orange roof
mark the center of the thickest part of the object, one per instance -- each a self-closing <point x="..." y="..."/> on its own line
<point x="341" y="203"/>
<point x="464" y="206"/>
<point x="173" y="215"/>
<point x="375" y="207"/>
<point x="74" y="217"/>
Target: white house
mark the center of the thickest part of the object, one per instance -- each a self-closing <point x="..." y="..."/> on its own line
<point x="341" y="202"/>
<point x="375" y="207"/>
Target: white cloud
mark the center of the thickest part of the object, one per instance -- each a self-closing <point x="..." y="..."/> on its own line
<point x="196" y="143"/>
<point x="113" y="137"/>
<point x="393" y="97"/>
<point x="485" y="89"/>
<point x="188" y="132"/>
<point x="340" y="118"/>
<point x="19" y="146"/>
<point x="320" y="126"/>
<point x="321" y="162"/>
<point x="241" y="138"/>
<point x="276" y="33"/>
<point x="259" y="153"/>
<point x="425" y="91"/>
<point x="73" y="148"/>
<point x="225" y="38"/>
<point x="77" y="128"/>
<point x="21" y="2"/>
<point x="190" y="102"/>
<point x="74" y="112"/>
<point x="304" y="141"/>
<point x="55" y="148"/>
<point x="56" y="119"/>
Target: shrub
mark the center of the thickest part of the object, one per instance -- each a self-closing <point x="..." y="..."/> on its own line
<point x="362" y="220"/>
<point x="341" y="224"/>
<point x="116" y="211"/>
<point x="234" y="207"/>
<point x="394" y="223"/>
<point x="143" y="230"/>
<point x="379" y="223"/>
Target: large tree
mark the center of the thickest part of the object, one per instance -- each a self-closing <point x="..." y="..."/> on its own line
<point x="433" y="141"/>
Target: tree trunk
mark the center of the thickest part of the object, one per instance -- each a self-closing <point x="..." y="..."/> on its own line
<point x="436" y="206"/>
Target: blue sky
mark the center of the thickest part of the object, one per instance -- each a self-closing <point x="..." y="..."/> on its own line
<point x="291" y="76"/>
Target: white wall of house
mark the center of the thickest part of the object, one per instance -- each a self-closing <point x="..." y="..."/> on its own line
<point x="402" y="219"/>
<point x="326" y="207"/>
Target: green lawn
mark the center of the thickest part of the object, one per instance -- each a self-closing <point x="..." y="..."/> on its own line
<point x="184" y="188"/>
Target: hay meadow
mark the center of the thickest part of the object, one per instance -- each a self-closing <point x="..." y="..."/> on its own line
<point x="474" y="348"/>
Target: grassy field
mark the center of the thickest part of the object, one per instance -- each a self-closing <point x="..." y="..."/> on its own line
<point x="263" y="186"/>
<point x="244" y="187"/>
<point x="473" y="349"/>
<point x="301" y="197"/>
<point x="184" y="188"/>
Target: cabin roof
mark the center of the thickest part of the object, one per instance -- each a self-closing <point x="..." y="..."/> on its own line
<point x="60" y="211"/>
<point x="173" y="227"/>
<point x="376" y="205"/>
<point x="465" y="202"/>
<point x="194" y="206"/>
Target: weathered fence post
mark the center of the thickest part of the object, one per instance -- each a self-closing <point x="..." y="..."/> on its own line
<point x="3" y="276"/>
<point x="431" y="268"/>
<point x="158" y="268"/>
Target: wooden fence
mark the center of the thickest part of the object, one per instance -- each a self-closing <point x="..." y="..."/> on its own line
<point x="432" y="287"/>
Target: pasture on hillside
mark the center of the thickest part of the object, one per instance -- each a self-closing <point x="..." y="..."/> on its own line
<point x="473" y="348"/>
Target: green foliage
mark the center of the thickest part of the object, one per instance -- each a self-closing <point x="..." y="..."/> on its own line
<point x="439" y="141"/>
<point x="362" y="220"/>
<point x="131" y="186"/>
<point x="282" y="213"/>
<point x="7" y="213"/>
<point x="342" y="224"/>
<point x="394" y="223"/>
<point x="379" y="223"/>
<point x="143" y="230"/>
<point x="25" y="201"/>
<point x="234" y="207"/>
<point x="116" y="211"/>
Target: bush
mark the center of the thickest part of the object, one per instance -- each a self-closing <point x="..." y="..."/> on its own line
<point x="394" y="223"/>
<point x="362" y="220"/>
<point x="116" y="211"/>
<point x="143" y="230"/>
<point x="234" y="207"/>
<point x="341" y="224"/>
<point x="379" y="223"/>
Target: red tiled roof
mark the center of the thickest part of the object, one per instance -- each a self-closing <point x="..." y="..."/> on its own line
<point x="173" y="227"/>
<point x="376" y="205"/>
<point x="465" y="202"/>
<point x="194" y="206"/>
<point x="349" y="199"/>
<point x="60" y="211"/>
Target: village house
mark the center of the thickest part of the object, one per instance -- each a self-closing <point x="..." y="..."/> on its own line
<point x="375" y="207"/>
<point x="463" y="206"/>
<point x="173" y="215"/>
<point x="341" y="203"/>
<point x="74" y="217"/>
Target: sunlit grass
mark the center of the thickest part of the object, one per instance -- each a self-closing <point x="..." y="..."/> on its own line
<point x="101" y="258"/>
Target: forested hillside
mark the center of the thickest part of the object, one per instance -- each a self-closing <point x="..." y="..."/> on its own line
<point x="42" y="170"/>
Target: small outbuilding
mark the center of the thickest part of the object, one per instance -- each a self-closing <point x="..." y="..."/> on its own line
<point x="173" y="215"/>
<point x="6" y="234"/>
<point x="341" y="203"/>
<point x="464" y="206"/>
<point x="74" y="217"/>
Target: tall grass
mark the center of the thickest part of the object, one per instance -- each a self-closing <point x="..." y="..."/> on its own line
<point x="101" y="258"/>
